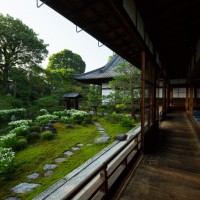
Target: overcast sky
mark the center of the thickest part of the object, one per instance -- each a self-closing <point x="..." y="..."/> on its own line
<point x="57" y="31"/>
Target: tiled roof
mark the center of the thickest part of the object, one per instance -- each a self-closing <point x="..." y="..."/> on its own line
<point x="105" y="72"/>
<point x="71" y="95"/>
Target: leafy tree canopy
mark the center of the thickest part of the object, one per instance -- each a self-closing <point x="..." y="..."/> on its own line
<point x="19" y="47"/>
<point x="68" y="60"/>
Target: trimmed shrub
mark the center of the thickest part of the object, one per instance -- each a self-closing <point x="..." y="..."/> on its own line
<point x="21" y="144"/>
<point x="33" y="136"/>
<point x="127" y="122"/>
<point x="35" y="129"/>
<point x="21" y="130"/>
<point x="8" y="141"/>
<point x="43" y="119"/>
<point x="47" y="135"/>
<point x="7" y="157"/>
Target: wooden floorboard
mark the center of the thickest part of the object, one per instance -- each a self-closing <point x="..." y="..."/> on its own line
<point x="173" y="171"/>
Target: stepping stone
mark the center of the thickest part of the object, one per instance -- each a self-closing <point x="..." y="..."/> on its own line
<point x="13" y="198"/>
<point x="102" y="132"/>
<point x="60" y="160"/>
<point x="75" y="148"/>
<point x="79" y="145"/>
<point x="24" y="187"/>
<point x="89" y="144"/>
<point x="49" y="166"/>
<point x="100" y="128"/>
<point x="68" y="153"/>
<point x="102" y="140"/>
<point x="33" y="176"/>
<point x="48" y="173"/>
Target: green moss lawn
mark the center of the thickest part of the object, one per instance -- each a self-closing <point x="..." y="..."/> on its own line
<point x="33" y="158"/>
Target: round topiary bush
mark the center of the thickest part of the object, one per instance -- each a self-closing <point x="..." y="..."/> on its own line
<point x="33" y="136"/>
<point x="21" y="144"/>
<point x="35" y="128"/>
<point x="47" y="135"/>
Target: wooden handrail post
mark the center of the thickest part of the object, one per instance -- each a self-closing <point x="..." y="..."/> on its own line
<point x="104" y="176"/>
<point x="143" y="98"/>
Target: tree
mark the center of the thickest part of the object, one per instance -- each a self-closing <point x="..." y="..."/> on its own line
<point x="66" y="59"/>
<point x="94" y="97"/>
<point x="126" y="86"/>
<point x="19" y="47"/>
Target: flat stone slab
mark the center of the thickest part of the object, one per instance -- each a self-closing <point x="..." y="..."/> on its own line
<point x="100" y="128"/>
<point x="68" y="153"/>
<point x="24" y="187"/>
<point x="102" y="140"/>
<point x="33" y="176"/>
<point x="13" y="198"/>
<point x="48" y="173"/>
<point x="79" y="145"/>
<point x="75" y="148"/>
<point x="60" y="160"/>
<point x="89" y="144"/>
<point x="49" y="166"/>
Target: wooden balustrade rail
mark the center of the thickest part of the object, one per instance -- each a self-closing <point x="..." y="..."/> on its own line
<point x="98" y="183"/>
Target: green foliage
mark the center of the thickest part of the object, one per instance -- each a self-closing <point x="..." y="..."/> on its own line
<point x="7" y="157"/>
<point x="21" y="144"/>
<point x="5" y="115"/>
<point x="66" y="59"/>
<point x="35" y="129"/>
<point x="43" y="111"/>
<point x="43" y="119"/>
<point x="47" y="135"/>
<point x="123" y="120"/>
<point x="19" y="46"/>
<point x="22" y="122"/>
<point x="46" y="102"/>
<point x="8" y="141"/>
<point x="33" y="136"/>
<point x="94" y="97"/>
<point x="22" y="130"/>
<point x="126" y="86"/>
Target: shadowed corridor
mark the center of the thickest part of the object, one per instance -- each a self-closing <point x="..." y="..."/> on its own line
<point x="173" y="170"/>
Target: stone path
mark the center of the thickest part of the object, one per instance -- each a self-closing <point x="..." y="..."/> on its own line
<point x="75" y="176"/>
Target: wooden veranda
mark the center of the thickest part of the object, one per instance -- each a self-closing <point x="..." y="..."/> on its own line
<point x="172" y="170"/>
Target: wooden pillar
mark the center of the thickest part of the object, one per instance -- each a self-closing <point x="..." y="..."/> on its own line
<point x="143" y="98"/>
<point x="191" y="99"/>
<point x="76" y="103"/>
<point x="187" y="98"/>
<point x="68" y="103"/>
<point x="164" y="98"/>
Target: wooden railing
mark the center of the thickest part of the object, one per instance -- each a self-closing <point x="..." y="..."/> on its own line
<point x="100" y="181"/>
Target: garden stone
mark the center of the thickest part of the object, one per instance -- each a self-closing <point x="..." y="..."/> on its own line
<point x="13" y="198"/>
<point x="33" y="176"/>
<point x="48" y="173"/>
<point x="69" y="126"/>
<point x="120" y="137"/>
<point x="49" y="166"/>
<point x="89" y="144"/>
<point x="75" y="148"/>
<point x="53" y="121"/>
<point x="102" y="139"/>
<point x="24" y="187"/>
<point x="60" y="160"/>
<point x="68" y="153"/>
<point x="13" y="118"/>
<point x="100" y="128"/>
<point x="79" y="145"/>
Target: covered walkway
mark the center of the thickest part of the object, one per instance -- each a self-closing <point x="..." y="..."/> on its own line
<point x="173" y="170"/>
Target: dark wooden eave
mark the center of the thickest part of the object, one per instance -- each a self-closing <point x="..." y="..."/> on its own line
<point x="173" y="26"/>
